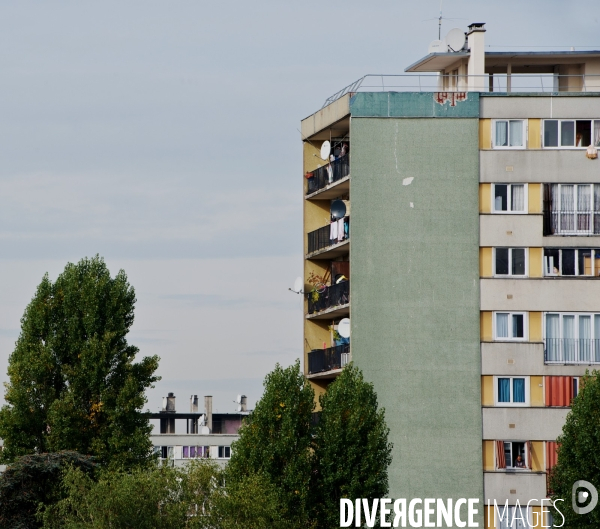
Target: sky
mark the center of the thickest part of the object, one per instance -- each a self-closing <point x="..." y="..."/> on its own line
<point x="164" y="137"/>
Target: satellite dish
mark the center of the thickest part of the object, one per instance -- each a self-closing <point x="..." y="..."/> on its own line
<point x="338" y="209"/>
<point x="344" y="328"/>
<point x="325" y="150"/>
<point x="298" y="287"/>
<point x="204" y="430"/>
<point x="438" y="46"/>
<point x="455" y="39"/>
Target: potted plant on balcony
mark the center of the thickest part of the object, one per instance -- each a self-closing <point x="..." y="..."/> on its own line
<point x="318" y="284"/>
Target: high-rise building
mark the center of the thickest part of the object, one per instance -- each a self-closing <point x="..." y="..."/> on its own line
<point x="454" y="218"/>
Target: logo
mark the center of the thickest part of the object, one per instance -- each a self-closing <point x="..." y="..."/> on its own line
<point x="580" y="497"/>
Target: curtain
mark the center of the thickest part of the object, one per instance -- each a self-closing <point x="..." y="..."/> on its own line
<point x="553" y="337"/>
<point x="528" y="452"/>
<point x="516" y="133"/>
<point x="585" y="335"/>
<point x="186" y="452"/>
<point x="584" y="207"/>
<point x="504" y="390"/>
<point x="569" y="338"/>
<point x="597" y="133"/>
<point x="502" y="325"/>
<point x="500" y="458"/>
<point x="559" y="391"/>
<point x="567" y="207"/>
<point x="501" y="127"/>
<point x="518" y="197"/>
<point x="597" y="206"/>
<point x="518" y="390"/>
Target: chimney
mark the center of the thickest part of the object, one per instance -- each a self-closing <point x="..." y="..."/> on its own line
<point x="208" y="411"/>
<point x="476" y="68"/>
<point x="194" y="404"/>
<point x="167" y="424"/>
<point x="243" y="403"/>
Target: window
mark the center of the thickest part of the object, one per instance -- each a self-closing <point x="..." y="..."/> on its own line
<point x="571" y="262"/>
<point x="510" y="262"/>
<point x="224" y="452"/>
<point x="518" y="517"/>
<point x="192" y="452"/>
<point x="509" y="134"/>
<point x="571" y="209"/>
<point x="509" y="198"/>
<point x="515" y="456"/>
<point x="571" y="133"/>
<point x="572" y="338"/>
<point x="510" y="326"/>
<point x="512" y="391"/>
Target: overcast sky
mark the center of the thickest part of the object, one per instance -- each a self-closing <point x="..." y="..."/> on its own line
<point x="163" y="136"/>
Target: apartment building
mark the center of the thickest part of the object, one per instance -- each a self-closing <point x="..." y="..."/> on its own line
<point x="207" y="435"/>
<point x="471" y="269"/>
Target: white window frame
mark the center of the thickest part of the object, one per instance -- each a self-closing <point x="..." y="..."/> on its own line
<point x="510" y="274"/>
<point x="509" y="210"/>
<point x="560" y="212"/>
<point x="511" y="403"/>
<point x="511" y="338"/>
<point x="224" y="447"/>
<point x="547" y="273"/>
<point x="509" y="147"/>
<point x="560" y="122"/>
<point x="576" y="344"/>
<point x="512" y="441"/>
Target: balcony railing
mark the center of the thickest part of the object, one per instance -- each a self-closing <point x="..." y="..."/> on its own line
<point x="321" y="360"/>
<point x="329" y="235"/>
<point x="571" y="222"/>
<point x="572" y="351"/>
<point x="332" y="296"/>
<point x="328" y="174"/>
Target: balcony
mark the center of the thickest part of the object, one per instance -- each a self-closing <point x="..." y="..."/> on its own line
<point x="322" y="361"/>
<point x="332" y="301"/>
<point x="572" y="351"/>
<point x="332" y="177"/>
<point x="579" y="222"/>
<point x="330" y="241"/>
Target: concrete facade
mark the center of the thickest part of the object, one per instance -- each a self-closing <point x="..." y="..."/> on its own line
<point x="401" y="288"/>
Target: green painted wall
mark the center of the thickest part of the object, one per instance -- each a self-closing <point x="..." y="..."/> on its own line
<point x="415" y="295"/>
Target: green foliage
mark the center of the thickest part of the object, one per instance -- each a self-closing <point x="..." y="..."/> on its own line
<point x="578" y="455"/>
<point x="154" y="497"/>
<point x="34" y="480"/>
<point x="275" y="441"/>
<point x="73" y="383"/>
<point x="351" y="451"/>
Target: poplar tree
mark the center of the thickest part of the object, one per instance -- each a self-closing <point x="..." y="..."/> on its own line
<point x="578" y="455"/>
<point x="74" y="384"/>
<point x="351" y="449"/>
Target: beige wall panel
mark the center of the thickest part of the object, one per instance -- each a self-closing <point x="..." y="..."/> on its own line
<point x="315" y="333"/>
<point x="538" y="463"/>
<point x="536" y="388"/>
<point x="541" y="424"/>
<point x="312" y="157"/>
<point x="534" y="134"/>
<point x="572" y="242"/>
<point x="528" y="485"/>
<point x="539" y="107"/>
<point x="536" y="330"/>
<point x="487" y="391"/>
<point x="489" y="456"/>
<point x="485" y="198"/>
<point x="536" y="259"/>
<point x="486" y="330"/>
<point x="485" y="133"/>
<point x="592" y="68"/>
<point x="580" y="295"/>
<point x="513" y="359"/>
<point x="535" y="198"/>
<point x="326" y="116"/>
<point x="547" y="165"/>
<point x="317" y="213"/>
<point x="511" y="230"/>
<point x="485" y="262"/>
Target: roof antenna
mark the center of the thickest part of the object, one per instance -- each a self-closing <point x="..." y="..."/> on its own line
<point x="440" y="22"/>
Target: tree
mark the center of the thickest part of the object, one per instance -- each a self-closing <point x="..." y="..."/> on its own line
<point x="351" y="450"/>
<point x="73" y="381"/>
<point x="152" y="497"/>
<point x="275" y="441"/>
<point x="34" y="480"/>
<point x="578" y="456"/>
